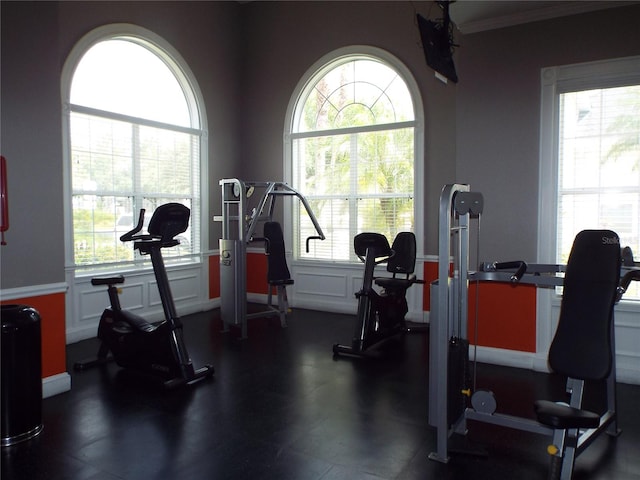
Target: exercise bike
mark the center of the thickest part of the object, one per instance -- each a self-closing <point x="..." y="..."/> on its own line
<point x="157" y="349"/>
<point x="381" y="316"/>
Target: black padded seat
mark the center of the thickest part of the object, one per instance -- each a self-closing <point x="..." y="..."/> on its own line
<point x="561" y="415"/>
<point x="389" y="283"/>
<point x="402" y="262"/>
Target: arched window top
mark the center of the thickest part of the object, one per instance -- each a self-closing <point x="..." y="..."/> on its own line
<point x="127" y="70"/>
<point x="124" y="76"/>
<point x="353" y="91"/>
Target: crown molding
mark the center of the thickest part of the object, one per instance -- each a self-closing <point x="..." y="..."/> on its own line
<point x="562" y="9"/>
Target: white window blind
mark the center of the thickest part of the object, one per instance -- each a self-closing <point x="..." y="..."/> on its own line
<point x="599" y="166"/>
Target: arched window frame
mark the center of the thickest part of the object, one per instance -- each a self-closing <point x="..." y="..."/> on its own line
<point x="195" y="103"/>
<point x="319" y="69"/>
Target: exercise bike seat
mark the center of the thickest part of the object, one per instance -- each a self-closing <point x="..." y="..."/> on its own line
<point x="561" y="415"/>
<point x="402" y="262"/>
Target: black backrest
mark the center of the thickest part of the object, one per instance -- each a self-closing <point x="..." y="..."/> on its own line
<point x="403" y="260"/>
<point x="277" y="269"/>
<point x="169" y="220"/>
<point x="581" y="347"/>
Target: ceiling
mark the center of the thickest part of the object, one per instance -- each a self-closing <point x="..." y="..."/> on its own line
<point x="472" y="16"/>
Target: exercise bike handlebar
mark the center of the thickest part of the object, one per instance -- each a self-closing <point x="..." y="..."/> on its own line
<point x="127" y="237"/>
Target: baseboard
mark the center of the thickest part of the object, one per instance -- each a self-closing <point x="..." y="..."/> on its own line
<point x="56" y="384"/>
<point x="499" y="356"/>
<point x="82" y="333"/>
<point x="627" y="375"/>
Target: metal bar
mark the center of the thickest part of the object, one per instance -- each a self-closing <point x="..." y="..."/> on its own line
<point x="439" y="327"/>
<point x="505" y="276"/>
<point x="504" y="420"/>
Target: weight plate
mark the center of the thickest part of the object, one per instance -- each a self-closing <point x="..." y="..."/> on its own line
<point x="484" y="401"/>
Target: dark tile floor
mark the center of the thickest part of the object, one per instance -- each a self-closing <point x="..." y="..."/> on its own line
<point x="281" y="407"/>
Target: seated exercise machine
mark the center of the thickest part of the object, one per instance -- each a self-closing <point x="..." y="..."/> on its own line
<point x="381" y="316"/>
<point x="583" y="347"/>
<point x="157" y="349"/>
<point x="239" y="229"/>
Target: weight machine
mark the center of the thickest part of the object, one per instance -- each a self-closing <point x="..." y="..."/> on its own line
<point x="240" y="218"/>
<point x="450" y="382"/>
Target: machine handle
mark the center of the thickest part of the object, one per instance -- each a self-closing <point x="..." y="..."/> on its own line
<point x="632" y="275"/>
<point x="519" y="265"/>
<point x="313" y="237"/>
<point x="127" y="237"/>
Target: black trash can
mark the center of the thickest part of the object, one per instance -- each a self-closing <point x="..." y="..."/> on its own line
<point x="21" y="374"/>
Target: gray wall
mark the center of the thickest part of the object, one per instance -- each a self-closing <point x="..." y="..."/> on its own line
<point x="287" y="38"/>
<point x="498" y="114"/>
<point x="36" y="39"/>
<point x="30" y="139"/>
<point x="248" y="57"/>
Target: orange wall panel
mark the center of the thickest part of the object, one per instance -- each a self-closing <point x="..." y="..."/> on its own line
<point x="507" y="316"/>
<point x="507" y="313"/>
<point x="52" y="325"/>
<point x="257" y="273"/>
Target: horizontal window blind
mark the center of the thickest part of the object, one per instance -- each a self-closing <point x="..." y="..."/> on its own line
<point x="119" y="167"/>
<point x="599" y="166"/>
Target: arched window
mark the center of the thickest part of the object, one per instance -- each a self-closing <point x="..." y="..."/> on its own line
<point x="353" y="150"/>
<point x="134" y="139"/>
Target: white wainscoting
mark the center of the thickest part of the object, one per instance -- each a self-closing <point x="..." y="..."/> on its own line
<point x="332" y="288"/>
<point x="85" y="303"/>
<point x="627" y="338"/>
